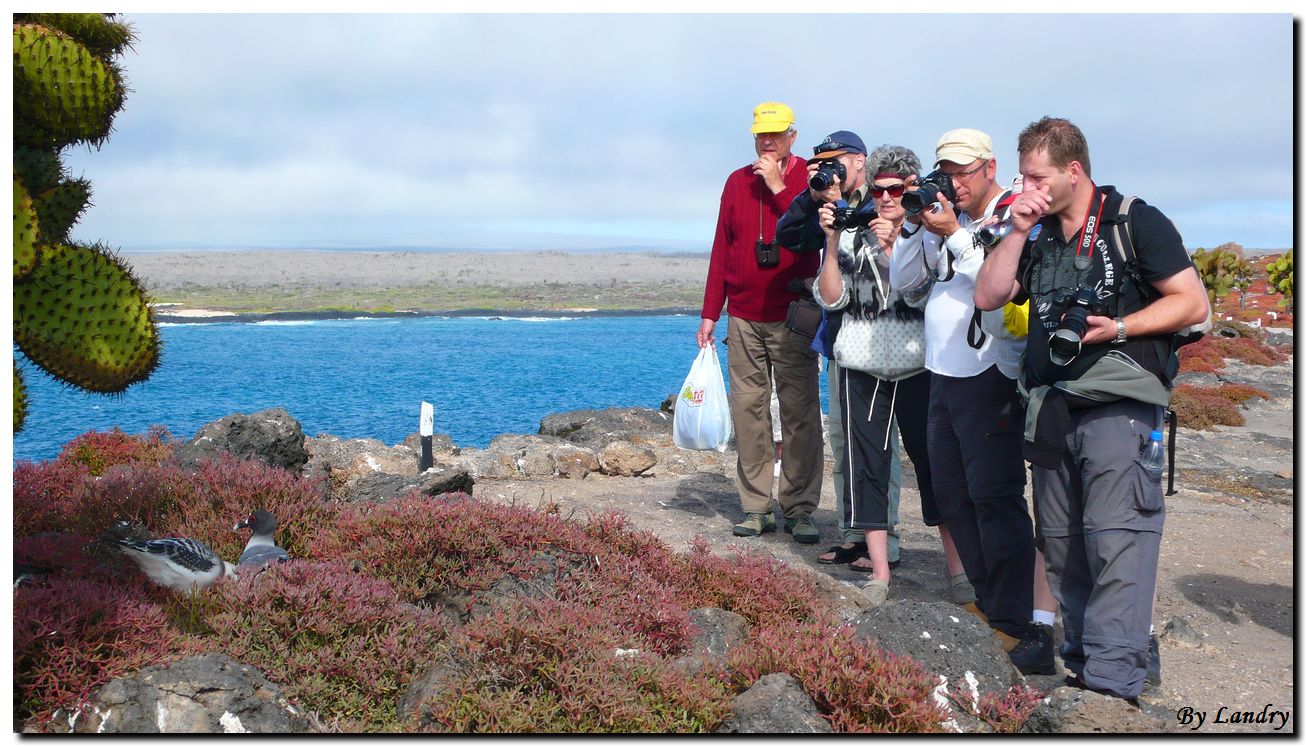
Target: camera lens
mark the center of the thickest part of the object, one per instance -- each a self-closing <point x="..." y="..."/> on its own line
<point x="992" y="234"/>
<point x="1064" y="345"/>
<point x="821" y="181"/>
<point x="914" y="202"/>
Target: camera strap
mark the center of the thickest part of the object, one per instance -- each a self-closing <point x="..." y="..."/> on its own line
<point x="1089" y="232"/>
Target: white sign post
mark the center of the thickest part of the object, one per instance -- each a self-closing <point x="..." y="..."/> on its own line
<point x="425" y="427"/>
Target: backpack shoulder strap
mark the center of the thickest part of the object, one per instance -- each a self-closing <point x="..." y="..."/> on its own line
<point x="1125" y="248"/>
<point x="1125" y="253"/>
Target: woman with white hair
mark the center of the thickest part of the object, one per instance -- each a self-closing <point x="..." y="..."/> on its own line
<point x="854" y="281"/>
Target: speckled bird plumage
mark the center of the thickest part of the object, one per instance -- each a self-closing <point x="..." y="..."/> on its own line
<point x="177" y="562"/>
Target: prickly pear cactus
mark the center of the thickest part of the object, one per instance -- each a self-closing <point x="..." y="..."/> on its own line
<point x="1280" y="275"/>
<point x="79" y="314"/>
<point x="20" y="398"/>
<point x="1219" y="269"/>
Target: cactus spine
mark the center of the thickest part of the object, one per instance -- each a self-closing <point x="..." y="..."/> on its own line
<point x="79" y="314"/>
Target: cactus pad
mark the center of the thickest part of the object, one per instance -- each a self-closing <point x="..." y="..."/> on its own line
<point x="39" y="168"/>
<point x="83" y="317"/>
<point x="100" y="34"/>
<point x="25" y="230"/>
<point x="59" y="208"/>
<point x="62" y="92"/>
<point x="20" y="400"/>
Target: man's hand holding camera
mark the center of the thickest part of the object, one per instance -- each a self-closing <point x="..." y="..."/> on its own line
<point x="829" y="194"/>
<point x="769" y="168"/>
<point x="1101" y="329"/>
<point x="942" y="221"/>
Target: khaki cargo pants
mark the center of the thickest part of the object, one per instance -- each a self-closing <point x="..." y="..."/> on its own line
<point x="752" y="348"/>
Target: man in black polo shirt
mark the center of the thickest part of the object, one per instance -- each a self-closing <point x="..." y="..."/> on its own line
<point x="1098" y="380"/>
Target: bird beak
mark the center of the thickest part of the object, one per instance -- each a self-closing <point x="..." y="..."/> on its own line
<point x="243" y="524"/>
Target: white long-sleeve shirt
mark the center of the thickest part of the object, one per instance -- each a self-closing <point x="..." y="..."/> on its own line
<point x="952" y="303"/>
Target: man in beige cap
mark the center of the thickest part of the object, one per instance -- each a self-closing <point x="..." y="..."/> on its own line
<point x="750" y="274"/>
<point x="975" y="426"/>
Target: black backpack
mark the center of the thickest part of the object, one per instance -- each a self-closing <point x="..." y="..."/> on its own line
<point x="1125" y="251"/>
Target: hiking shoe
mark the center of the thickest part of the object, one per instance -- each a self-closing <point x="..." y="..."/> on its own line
<point x="803" y="530"/>
<point x="754" y="525"/>
<point x="1033" y="653"/>
<point x="974" y="609"/>
<point x="1078" y="682"/>
<point x="1153" y="675"/>
<point x="960" y="590"/>
<point x="876" y="592"/>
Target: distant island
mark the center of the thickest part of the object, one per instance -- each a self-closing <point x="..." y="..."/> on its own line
<point x="253" y="285"/>
<point x="191" y="285"/>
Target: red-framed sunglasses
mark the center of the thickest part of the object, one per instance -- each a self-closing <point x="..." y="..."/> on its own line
<point x="895" y="190"/>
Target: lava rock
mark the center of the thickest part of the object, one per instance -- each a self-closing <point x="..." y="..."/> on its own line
<point x="271" y="436"/>
<point x="1071" y="710"/>
<point x="775" y="704"/>
<point x="1180" y="632"/>
<point x="626" y="459"/>
<point x="426" y="687"/>
<point x="947" y="641"/>
<point x="207" y="694"/>
<point x="719" y="632"/>
<point x="438" y="480"/>
<point x="597" y="428"/>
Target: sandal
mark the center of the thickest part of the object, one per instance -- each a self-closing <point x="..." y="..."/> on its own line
<point x="862" y="564"/>
<point x="841" y="554"/>
<point x="876" y="592"/>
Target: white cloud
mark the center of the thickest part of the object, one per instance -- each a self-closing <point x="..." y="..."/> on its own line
<point x="250" y="129"/>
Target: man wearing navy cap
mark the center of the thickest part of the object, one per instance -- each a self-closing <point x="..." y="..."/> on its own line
<point x="798" y="229"/>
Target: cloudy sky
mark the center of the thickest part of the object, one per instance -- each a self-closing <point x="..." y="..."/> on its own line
<point x="589" y="131"/>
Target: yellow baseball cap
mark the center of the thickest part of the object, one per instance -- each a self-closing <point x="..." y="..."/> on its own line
<point x="771" y="116"/>
<point x="963" y="146"/>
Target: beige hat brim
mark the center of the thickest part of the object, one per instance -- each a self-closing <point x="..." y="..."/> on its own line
<point x="960" y="156"/>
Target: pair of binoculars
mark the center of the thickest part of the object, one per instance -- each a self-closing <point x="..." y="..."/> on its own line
<point x="768" y="254"/>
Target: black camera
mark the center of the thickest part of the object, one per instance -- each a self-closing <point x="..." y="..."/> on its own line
<point x="854" y="217"/>
<point x="929" y="190"/>
<point x="827" y="170"/>
<point x="1064" y="345"/>
<point x="768" y="254"/>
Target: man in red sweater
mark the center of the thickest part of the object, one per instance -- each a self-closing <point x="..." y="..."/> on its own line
<point x="749" y="272"/>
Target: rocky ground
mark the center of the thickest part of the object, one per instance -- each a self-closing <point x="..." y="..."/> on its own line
<point x="1225" y="602"/>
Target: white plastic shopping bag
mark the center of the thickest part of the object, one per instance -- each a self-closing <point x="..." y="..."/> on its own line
<point x="703" y="415"/>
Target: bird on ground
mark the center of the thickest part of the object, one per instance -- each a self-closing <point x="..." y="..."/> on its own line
<point x="177" y="562"/>
<point x="261" y="549"/>
<point x="27" y="574"/>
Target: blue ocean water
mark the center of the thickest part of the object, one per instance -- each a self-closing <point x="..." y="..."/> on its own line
<point x="367" y="378"/>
